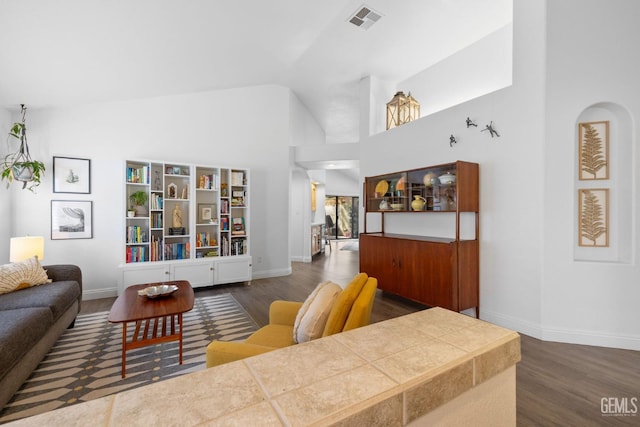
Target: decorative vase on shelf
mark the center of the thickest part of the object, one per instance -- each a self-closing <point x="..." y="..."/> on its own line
<point x="418" y="203"/>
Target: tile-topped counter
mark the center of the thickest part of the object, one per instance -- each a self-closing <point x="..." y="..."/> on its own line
<point x="433" y="366"/>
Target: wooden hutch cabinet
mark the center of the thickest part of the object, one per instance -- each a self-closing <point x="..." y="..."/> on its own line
<point x="435" y="271"/>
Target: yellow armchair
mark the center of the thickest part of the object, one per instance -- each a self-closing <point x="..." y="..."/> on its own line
<point x="351" y="310"/>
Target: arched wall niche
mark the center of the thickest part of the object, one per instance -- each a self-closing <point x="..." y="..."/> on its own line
<point x="620" y="185"/>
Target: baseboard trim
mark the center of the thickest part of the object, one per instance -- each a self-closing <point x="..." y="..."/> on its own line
<point x="99" y="293"/>
<point x="265" y="274"/>
<point x="599" y="339"/>
<point x="569" y="336"/>
<point x="523" y="326"/>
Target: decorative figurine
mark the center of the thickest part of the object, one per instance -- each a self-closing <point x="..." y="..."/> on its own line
<point x="157" y="182"/>
<point x="452" y="140"/>
<point x="491" y="130"/>
<point x="470" y="123"/>
<point x="177" y="217"/>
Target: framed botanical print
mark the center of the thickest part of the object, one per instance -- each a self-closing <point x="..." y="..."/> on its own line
<point x="71" y="175"/>
<point x="593" y="217"/>
<point x="593" y="148"/>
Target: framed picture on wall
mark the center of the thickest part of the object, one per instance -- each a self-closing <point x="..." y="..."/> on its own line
<point x="71" y="175"/>
<point x="593" y="217"/>
<point x="593" y="150"/>
<point x="71" y="219"/>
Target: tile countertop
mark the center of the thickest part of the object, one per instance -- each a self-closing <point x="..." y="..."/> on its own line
<point x="392" y="372"/>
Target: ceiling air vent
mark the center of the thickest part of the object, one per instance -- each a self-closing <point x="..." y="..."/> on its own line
<point x="364" y="17"/>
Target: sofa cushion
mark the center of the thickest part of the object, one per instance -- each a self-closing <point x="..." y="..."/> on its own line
<point x="20" y="330"/>
<point x="314" y="312"/>
<point x="342" y="306"/>
<point x="23" y="274"/>
<point x="56" y="296"/>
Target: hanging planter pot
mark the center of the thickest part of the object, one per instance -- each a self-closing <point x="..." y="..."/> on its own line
<point x="20" y="166"/>
<point x="23" y="173"/>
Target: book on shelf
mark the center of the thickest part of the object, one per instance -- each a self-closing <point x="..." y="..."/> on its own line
<point x="224" y="206"/>
<point x="238" y="226"/>
<point x="136" y="254"/>
<point x="204" y="239"/>
<point x="156" y="253"/>
<point x="176" y="251"/>
<point x="237" y="198"/>
<point x="237" y="178"/>
<point x="136" y="234"/>
<point x="155" y="201"/>
<point x="224" y="223"/>
<point x="156" y="219"/>
<point x="208" y="182"/>
<point x="138" y="174"/>
<point x="238" y="246"/>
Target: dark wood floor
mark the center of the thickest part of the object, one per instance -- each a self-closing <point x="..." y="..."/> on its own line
<point x="557" y="384"/>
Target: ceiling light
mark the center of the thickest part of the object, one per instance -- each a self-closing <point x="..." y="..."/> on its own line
<point x="364" y="17"/>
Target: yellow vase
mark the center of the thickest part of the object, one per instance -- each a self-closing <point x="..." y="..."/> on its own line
<point x="418" y="203"/>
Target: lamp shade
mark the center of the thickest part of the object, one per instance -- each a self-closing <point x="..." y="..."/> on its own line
<point x="25" y="247"/>
<point x="402" y="109"/>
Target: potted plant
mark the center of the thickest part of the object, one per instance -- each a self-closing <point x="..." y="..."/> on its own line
<point x="20" y="166"/>
<point x="138" y="201"/>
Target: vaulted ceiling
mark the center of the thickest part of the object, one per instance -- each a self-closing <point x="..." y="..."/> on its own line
<point x="85" y="51"/>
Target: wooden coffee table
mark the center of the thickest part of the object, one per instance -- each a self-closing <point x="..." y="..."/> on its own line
<point x="156" y="320"/>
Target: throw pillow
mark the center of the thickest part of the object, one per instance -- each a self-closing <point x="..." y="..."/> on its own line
<point x="342" y="306"/>
<point x="23" y="274"/>
<point x="313" y="314"/>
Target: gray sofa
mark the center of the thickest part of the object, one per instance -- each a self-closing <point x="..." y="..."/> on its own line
<point x="31" y="320"/>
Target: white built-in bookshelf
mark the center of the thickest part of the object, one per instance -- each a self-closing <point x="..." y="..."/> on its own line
<point x="194" y="225"/>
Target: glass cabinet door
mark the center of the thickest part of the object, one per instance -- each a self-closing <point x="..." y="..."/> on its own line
<point x="433" y="189"/>
<point x="387" y="192"/>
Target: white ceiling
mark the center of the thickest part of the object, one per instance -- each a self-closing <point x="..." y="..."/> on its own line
<point x="85" y="51"/>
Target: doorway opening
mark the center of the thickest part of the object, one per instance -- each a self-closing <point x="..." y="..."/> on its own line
<point x="341" y="217"/>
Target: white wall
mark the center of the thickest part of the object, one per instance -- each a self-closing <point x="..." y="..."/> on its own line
<point x="300" y="224"/>
<point x="303" y="127"/>
<point x="5" y="194"/>
<point x="342" y="183"/>
<point x="304" y="131"/>
<point x="203" y="128"/>
<point x="529" y="278"/>
<point x="593" y="64"/>
<point x="511" y="171"/>
<point x="481" y="68"/>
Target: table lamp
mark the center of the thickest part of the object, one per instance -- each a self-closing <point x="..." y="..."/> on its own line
<point x="22" y="248"/>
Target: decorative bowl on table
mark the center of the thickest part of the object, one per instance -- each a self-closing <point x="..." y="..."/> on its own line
<point x="158" y="291"/>
<point x="397" y="206"/>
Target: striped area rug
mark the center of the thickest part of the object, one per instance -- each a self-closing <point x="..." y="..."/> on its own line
<point x="85" y="362"/>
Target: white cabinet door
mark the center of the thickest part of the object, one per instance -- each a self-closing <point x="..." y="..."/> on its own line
<point x="197" y="273"/>
<point x="139" y="274"/>
<point x="233" y="269"/>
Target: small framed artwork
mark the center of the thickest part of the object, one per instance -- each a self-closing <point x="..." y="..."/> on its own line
<point x="71" y="175"/>
<point x="593" y="217"/>
<point x="172" y="191"/>
<point x="206" y="213"/>
<point x="593" y="147"/>
<point x="71" y="219"/>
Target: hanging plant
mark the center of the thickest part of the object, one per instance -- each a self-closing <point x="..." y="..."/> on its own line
<point x="20" y="166"/>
